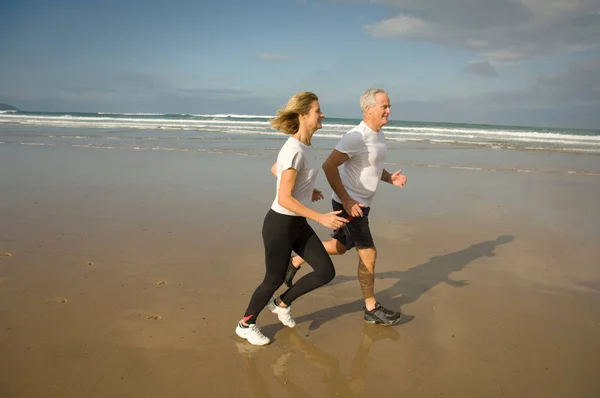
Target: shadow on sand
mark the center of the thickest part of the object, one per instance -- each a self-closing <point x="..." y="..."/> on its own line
<point x="411" y="284"/>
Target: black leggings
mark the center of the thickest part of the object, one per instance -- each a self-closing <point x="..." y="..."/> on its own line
<point x="282" y="234"/>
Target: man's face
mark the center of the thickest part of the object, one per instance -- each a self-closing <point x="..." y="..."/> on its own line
<point x="379" y="114"/>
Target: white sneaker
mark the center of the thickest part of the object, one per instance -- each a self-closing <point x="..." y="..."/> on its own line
<point x="253" y="334"/>
<point x="282" y="313"/>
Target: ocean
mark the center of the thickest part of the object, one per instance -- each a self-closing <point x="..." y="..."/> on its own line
<point x="468" y="146"/>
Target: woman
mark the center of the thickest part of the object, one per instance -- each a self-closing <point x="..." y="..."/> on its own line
<point x="285" y="227"/>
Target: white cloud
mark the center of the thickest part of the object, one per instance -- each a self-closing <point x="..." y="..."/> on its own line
<point x="274" y="57"/>
<point x="504" y="31"/>
<point x="570" y="98"/>
<point x="481" y="68"/>
<point x="400" y="26"/>
<point x="578" y="86"/>
<point x="506" y="55"/>
<point x="476" y="43"/>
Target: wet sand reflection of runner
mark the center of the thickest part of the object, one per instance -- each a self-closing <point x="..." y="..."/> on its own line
<point x="336" y="383"/>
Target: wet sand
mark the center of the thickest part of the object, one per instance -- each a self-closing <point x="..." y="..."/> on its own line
<point x="123" y="273"/>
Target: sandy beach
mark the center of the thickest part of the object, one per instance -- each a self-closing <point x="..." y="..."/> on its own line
<point x="123" y="274"/>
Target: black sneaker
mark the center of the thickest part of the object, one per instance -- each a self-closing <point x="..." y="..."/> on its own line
<point x="290" y="273"/>
<point x="382" y="316"/>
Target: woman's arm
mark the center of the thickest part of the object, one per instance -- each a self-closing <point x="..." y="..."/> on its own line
<point x="286" y="200"/>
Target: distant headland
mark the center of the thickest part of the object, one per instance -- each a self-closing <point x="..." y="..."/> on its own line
<point x="6" y="107"/>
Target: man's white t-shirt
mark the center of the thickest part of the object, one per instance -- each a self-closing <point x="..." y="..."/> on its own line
<point x="362" y="172"/>
<point x="298" y="156"/>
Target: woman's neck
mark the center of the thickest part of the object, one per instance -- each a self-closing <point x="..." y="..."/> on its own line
<point x="303" y="136"/>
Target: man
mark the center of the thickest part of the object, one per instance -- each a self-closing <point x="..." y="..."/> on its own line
<point x="361" y="152"/>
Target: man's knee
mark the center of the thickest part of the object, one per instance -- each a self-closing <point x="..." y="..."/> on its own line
<point x="339" y="247"/>
<point x="334" y="246"/>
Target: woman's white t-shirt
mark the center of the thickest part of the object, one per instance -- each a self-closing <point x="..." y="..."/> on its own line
<point x="298" y="156"/>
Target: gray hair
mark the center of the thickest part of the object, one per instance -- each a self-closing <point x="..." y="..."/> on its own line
<point x="368" y="98"/>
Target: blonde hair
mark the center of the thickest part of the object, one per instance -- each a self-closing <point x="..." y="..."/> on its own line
<point x="368" y="98"/>
<point x="287" y="119"/>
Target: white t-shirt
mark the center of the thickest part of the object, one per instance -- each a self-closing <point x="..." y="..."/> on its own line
<point x="362" y="172"/>
<point x="295" y="155"/>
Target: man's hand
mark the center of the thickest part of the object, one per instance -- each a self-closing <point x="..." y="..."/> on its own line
<point x="398" y="179"/>
<point x="317" y="195"/>
<point x="353" y="208"/>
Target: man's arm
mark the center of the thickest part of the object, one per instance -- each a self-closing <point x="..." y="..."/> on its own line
<point x="397" y="179"/>
<point x="330" y="167"/>
<point x="386" y="176"/>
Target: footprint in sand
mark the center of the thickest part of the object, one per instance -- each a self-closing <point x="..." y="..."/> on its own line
<point x="90" y="263"/>
<point x="58" y="300"/>
<point x="135" y="315"/>
<point x="158" y="283"/>
<point x="5" y="254"/>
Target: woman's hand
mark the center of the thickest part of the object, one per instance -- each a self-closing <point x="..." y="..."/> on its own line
<point x="332" y="220"/>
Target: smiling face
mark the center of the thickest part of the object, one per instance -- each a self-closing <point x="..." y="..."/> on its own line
<point x="377" y="116"/>
<point x="313" y="119"/>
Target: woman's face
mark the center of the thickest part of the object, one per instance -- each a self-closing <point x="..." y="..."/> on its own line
<point x="314" y="117"/>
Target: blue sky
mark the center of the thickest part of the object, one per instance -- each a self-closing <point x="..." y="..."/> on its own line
<point x="527" y="62"/>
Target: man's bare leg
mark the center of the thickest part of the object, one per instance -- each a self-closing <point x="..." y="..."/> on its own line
<point x="374" y="312"/>
<point x="333" y="247"/>
<point x="366" y="275"/>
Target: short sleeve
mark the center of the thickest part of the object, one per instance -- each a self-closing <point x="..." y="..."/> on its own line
<point x="350" y="143"/>
<point x="290" y="159"/>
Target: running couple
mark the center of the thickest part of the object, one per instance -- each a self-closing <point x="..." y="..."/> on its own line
<point x="361" y="152"/>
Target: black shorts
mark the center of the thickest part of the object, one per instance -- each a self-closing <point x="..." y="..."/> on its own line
<point x="356" y="233"/>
